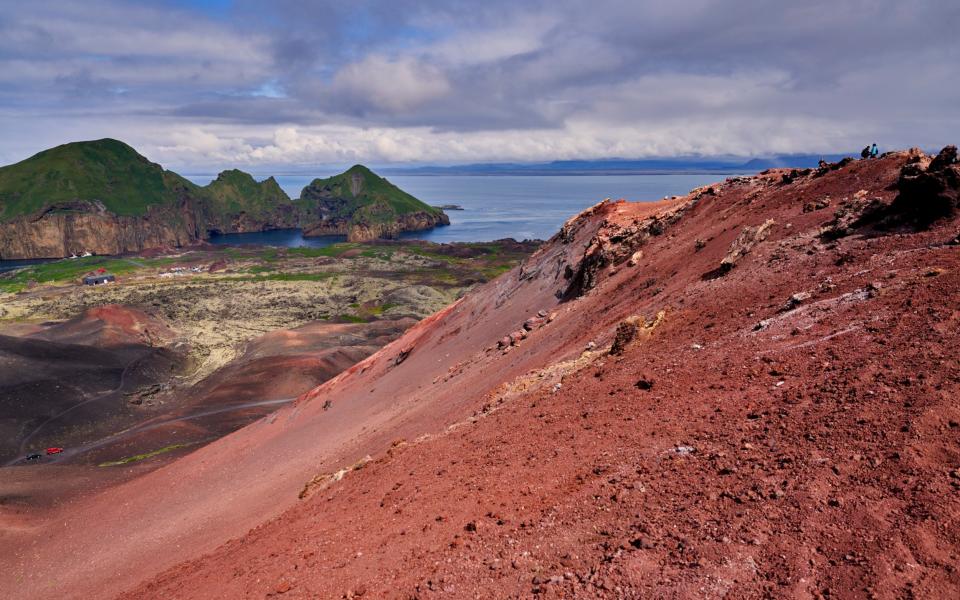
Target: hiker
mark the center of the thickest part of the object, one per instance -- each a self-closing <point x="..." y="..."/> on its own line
<point x="865" y="153"/>
<point x="874" y="152"/>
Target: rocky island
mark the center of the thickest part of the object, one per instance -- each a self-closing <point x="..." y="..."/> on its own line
<point x="104" y="197"/>
<point x="364" y="206"/>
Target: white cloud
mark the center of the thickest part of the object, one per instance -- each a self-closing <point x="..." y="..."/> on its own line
<point x="520" y="36"/>
<point x="391" y="85"/>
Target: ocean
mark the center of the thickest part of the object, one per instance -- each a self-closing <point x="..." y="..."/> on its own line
<point x="498" y="206"/>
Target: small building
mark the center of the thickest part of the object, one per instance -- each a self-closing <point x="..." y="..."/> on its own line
<point x="98" y="279"/>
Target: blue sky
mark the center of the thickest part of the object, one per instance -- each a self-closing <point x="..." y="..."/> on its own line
<point x="204" y="84"/>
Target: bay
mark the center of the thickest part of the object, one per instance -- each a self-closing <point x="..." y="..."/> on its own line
<point x="10" y="265"/>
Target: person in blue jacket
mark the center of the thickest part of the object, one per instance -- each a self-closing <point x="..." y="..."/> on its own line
<point x="874" y="152"/>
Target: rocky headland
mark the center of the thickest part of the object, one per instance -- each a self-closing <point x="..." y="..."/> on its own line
<point x="105" y="198"/>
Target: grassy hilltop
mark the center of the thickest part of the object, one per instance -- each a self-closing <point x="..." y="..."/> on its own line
<point x="358" y="195"/>
<point x="106" y="170"/>
<point x="234" y="191"/>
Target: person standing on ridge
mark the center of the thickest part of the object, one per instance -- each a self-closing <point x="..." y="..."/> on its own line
<point x="874" y="152"/>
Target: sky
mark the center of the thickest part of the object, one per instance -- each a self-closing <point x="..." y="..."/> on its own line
<point x="200" y="85"/>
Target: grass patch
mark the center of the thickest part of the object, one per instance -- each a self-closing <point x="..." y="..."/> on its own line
<point x="68" y="269"/>
<point x="434" y="277"/>
<point x="269" y="255"/>
<point x="260" y="269"/>
<point x="379" y="310"/>
<point x="332" y="250"/>
<point x="379" y="252"/>
<point x="427" y="253"/>
<point x="353" y="319"/>
<point x="144" y="456"/>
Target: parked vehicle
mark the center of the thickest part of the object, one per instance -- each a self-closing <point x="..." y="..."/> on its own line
<point x="33" y="457"/>
<point x="54" y="451"/>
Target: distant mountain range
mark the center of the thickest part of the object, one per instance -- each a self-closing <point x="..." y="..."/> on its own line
<point x="618" y="166"/>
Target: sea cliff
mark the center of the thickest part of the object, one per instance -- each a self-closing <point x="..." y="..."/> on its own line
<point x="104" y="197"/>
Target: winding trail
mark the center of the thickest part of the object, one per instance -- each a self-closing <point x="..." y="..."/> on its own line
<point x="26" y="439"/>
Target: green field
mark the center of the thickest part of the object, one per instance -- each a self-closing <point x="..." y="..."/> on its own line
<point x="73" y="269"/>
<point x="478" y="261"/>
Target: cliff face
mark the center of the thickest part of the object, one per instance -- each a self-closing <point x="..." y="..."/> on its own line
<point x="364" y="232"/>
<point x="243" y="222"/>
<point x="88" y="227"/>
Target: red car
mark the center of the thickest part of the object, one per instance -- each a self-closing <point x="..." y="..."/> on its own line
<point x="54" y="451"/>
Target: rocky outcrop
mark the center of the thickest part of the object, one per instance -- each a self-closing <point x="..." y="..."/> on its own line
<point x="633" y="330"/>
<point x="614" y="244"/>
<point x="748" y="238"/>
<point x="79" y="227"/>
<point x="927" y="195"/>
<point x="929" y="190"/>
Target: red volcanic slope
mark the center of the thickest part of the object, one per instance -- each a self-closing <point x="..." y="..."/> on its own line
<point x="787" y="427"/>
<point x="277" y="366"/>
<point x="110" y="325"/>
<point x="284" y="363"/>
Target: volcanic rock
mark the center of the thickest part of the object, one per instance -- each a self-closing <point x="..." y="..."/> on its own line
<point x="748" y="238"/>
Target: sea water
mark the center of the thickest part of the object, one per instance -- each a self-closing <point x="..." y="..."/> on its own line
<point x="10" y="265"/>
<point x="497" y="206"/>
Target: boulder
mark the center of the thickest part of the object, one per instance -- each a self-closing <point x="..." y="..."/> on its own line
<point x="632" y="330"/>
<point x="534" y="323"/>
<point x="926" y="195"/>
<point x="748" y="238"/>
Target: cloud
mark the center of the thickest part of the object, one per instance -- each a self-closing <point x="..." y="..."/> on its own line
<point x="390" y="85"/>
<point x="431" y="80"/>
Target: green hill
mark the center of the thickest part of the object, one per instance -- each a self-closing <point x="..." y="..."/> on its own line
<point x="358" y="195"/>
<point x="106" y="170"/>
<point x="234" y="191"/>
<point x="104" y="197"/>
